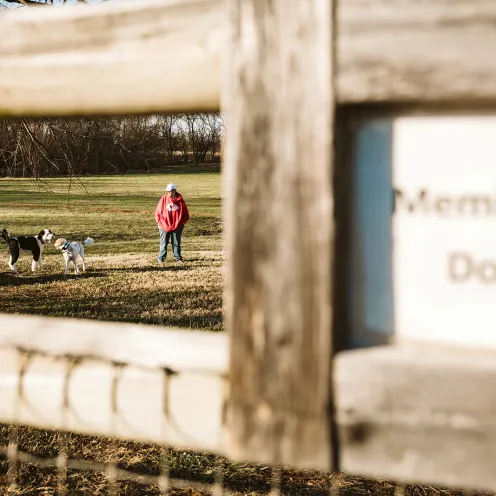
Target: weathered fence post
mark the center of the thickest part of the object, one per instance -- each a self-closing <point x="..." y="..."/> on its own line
<point x="279" y="230"/>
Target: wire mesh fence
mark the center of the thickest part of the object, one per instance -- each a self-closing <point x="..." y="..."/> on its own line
<point x="61" y="459"/>
<point x="188" y="472"/>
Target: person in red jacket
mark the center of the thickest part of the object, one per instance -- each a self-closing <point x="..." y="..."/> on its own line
<point x="170" y="215"/>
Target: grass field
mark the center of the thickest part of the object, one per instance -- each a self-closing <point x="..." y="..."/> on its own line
<point x="124" y="283"/>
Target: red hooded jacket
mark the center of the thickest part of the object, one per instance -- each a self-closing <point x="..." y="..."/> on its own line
<point x="171" y="212"/>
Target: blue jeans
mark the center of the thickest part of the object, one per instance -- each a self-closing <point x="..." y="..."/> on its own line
<point x="175" y="238"/>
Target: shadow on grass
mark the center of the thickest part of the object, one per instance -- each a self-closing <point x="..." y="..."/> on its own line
<point x="24" y="279"/>
<point x="203" y="259"/>
<point x="151" y="268"/>
<point x="195" y="308"/>
<point x="20" y="279"/>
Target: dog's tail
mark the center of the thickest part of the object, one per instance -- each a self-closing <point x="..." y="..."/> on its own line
<point x="88" y="241"/>
<point x="5" y="235"/>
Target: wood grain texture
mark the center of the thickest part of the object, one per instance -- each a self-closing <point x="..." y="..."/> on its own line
<point x="406" y="50"/>
<point x="112" y="58"/>
<point x="165" y="55"/>
<point x="278" y="221"/>
<point x="133" y="344"/>
<point x="418" y="413"/>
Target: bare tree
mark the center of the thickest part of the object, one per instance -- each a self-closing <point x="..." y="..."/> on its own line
<point x="203" y="136"/>
<point x="46" y="147"/>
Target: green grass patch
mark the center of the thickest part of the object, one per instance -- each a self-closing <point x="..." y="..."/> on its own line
<point x="123" y="281"/>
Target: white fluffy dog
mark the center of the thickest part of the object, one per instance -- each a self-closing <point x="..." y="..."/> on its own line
<point x="71" y="251"/>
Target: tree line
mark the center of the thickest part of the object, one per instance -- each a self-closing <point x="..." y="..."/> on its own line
<point x="54" y="147"/>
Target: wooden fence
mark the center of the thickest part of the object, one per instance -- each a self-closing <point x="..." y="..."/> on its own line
<point x="291" y="76"/>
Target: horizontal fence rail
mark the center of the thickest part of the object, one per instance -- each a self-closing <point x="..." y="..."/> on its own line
<point x="134" y="344"/>
<point x="418" y="52"/>
<point x="111" y="58"/>
<point x="111" y="379"/>
<point x="167" y="55"/>
<point x="418" y="412"/>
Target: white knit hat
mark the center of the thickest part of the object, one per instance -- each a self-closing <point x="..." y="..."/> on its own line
<point x="170" y="187"/>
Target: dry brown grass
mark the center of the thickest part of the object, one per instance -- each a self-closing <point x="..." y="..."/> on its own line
<point x="129" y="287"/>
<point x="241" y="479"/>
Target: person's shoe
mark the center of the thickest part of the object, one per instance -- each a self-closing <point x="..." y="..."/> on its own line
<point x="179" y="260"/>
<point x="160" y="262"/>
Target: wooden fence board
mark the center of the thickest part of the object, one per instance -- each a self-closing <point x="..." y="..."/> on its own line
<point x="279" y="229"/>
<point x="112" y="58"/>
<point x="419" y="413"/>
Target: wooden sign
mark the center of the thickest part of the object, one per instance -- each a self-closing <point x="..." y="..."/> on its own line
<point x="424" y="263"/>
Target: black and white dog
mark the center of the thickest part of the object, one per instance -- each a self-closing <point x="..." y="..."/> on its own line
<point x="34" y="244"/>
<point x="71" y="250"/>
